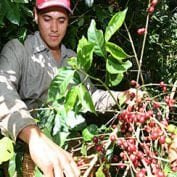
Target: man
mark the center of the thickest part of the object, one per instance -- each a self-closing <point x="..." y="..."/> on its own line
<point x="26" y="72"/>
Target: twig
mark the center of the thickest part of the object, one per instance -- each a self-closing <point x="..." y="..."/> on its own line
<point x="133" y="48"/>
<point x="142" y="50"/>
<point x="92" y="164"/>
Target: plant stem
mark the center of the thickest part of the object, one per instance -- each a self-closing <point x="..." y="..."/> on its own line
<point x="142" y="50"/>
<point x="134" y="50"/>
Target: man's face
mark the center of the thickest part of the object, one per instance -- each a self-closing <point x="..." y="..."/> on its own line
<point x="52" y="23"/>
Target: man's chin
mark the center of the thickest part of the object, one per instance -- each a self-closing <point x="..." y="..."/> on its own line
<point x="54" y="46"/>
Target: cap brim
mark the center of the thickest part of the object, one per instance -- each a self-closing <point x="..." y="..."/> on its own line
<point x="51" y="4"/>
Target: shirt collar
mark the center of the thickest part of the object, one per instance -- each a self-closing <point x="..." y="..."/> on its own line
<point x="39" y="44"/>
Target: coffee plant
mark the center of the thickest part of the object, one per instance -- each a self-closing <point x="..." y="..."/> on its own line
<point x="140" y="137"/>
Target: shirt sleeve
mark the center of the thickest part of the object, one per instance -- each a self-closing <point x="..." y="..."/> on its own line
<point x="103" y="100"/>
<point x="14" y="115"/>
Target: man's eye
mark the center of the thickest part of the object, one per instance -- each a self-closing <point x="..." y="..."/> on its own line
<point x="46" y="19"/>
<point x="61" y="21"/>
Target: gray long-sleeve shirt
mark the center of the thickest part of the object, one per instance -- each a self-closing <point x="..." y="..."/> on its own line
<point x="26" y="71"/>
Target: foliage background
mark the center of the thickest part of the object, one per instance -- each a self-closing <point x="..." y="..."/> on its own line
<point x="160" y="55"/>
<point x="159" y="61"/>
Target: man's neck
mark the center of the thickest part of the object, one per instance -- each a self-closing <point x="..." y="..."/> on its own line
<point x="56" y="55"/>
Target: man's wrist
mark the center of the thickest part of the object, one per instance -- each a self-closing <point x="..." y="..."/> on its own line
<point x="29" y="132"/>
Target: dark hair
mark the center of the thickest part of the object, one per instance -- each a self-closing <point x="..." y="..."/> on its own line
<point x="39" y="11"/>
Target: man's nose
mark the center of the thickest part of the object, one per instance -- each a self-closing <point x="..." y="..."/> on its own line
<point x="54" y="26"/>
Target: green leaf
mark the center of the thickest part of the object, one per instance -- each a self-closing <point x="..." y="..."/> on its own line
<point x="89" y="132"/>
<point x="7" y="150"/>
<point x="72" y="62"/>
<point x="122" y="98"/>
<point x="28" y="12"/>
<point x="82" y="42"/>
<point x="96" y="37"/>
<point x="12" y="12"/>
<point x="84" y="149"/>
<point x="116" y="51"/>
<point x="12" y="166"/>
<point x="114" y="79"/>
<point x="71" y="98"/>
<point x="60" y="83"/>
<point x="99" y="172"/>
<point x="168" y="171"/>
<point x="56" y="124"/>
<point x="85" y="99"/>
<point x="60" y="118"/>
<point x="37" y="172"/>
<point x="114" y="24"/>
<point x="115" y="67"/>
<point x="85" y="54"/>
<point x="60" y="138"/>
<point x="22" y="33"/>
<point x="2" y="14"/>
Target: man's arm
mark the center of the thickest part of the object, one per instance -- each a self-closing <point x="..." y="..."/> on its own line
<point x="50" y="158"/>
<point x="16" y="121"/>
<point x="14" y="115"/>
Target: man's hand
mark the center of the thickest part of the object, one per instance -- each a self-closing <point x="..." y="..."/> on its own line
<point x="52" y="160"/>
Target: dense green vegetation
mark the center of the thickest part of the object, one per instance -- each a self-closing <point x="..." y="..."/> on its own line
<point x="16" y="20"/>
<point x="148" y="36"/>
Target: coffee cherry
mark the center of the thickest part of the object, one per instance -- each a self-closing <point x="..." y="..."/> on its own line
<point x="131" y="148"/>
<point x="115" y="158"/>
<point x="168" y="140"/>
<point x="141" y="31"/>
<point x="95" y="140"/>
<point x="113" y="138"/>
<point x="160" y="173"/>
<point x="80" y="162"/>
<point x="156" y="105"/>
<point x="162" y="139"/>
<point x="174" y="169"/>
<point x="164" y="89"/>
<point x="133" y="158"/>
<point x="162" y="84"/>
<point x="140" y="174"/>
<point x="100" y="148"/>
<point x="154" y="3"/>
<point x="171" y="128"/>
<point x="114" y="126"/>
<point x="154" y="135"/>
<point x="133" y="82"/>
<point x="151" y="9"/>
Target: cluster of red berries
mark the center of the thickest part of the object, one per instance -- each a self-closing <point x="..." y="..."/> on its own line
<point x="163" y="86"/>
<point x="143" y="131"/>
<point x="101" y="151"/>
<point x="145" y="118"/>
<point x="133" y="82"/>
<point x="151" y="8"/>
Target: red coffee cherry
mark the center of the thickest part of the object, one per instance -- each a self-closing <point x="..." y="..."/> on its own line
<point x="151" y="9"/>
<point x="141" y="31"/>
<point x="154" y="3"/>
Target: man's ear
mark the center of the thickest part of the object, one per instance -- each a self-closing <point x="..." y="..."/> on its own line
<point x="35" y="15"/>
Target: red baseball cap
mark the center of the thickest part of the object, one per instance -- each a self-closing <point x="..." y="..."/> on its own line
<point x="41" y="4"/>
